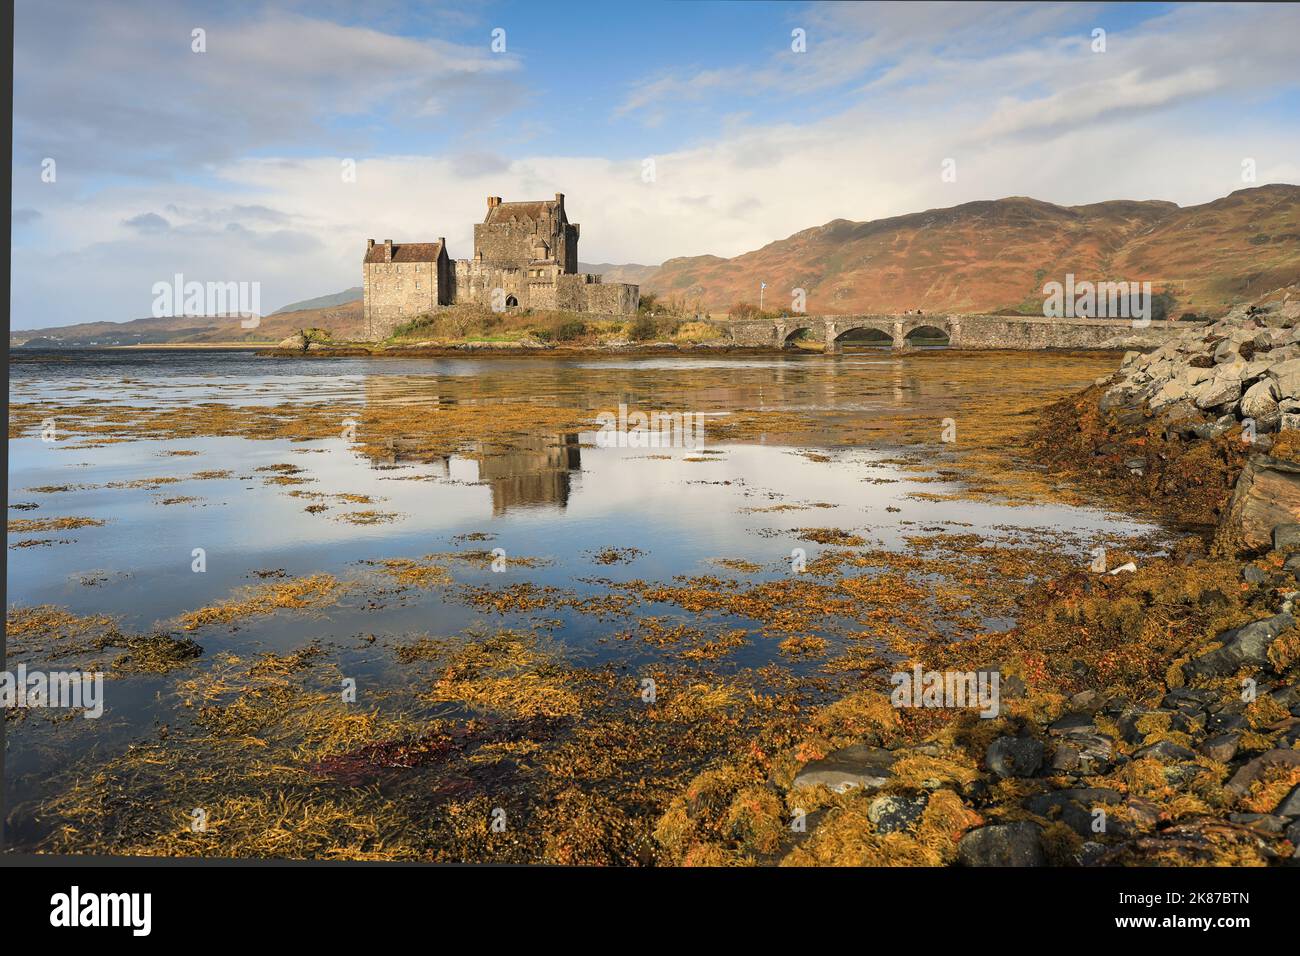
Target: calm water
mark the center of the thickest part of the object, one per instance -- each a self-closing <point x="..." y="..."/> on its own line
<point x="554" y="497"/>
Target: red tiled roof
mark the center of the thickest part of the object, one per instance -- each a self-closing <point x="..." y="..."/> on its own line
<point x="406" y="252"/>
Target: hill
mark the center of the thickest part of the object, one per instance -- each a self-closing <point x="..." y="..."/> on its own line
<point x="992" y="255"/>
<point x="322" y="301"/>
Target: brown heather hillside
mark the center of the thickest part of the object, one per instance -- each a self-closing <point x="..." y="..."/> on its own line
<point x="995" y="255"/>
<point x="344" y="321"/>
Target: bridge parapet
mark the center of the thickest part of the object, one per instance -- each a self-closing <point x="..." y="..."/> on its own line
<point x="964" y="330"/>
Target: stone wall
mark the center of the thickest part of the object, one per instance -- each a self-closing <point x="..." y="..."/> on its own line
<point x="394" y="292"/>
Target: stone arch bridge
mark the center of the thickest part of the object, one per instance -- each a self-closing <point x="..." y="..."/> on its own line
<point x="964" y="331"/>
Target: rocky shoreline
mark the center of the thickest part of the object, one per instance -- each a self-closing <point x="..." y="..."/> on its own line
<point x="1150" y="711"/>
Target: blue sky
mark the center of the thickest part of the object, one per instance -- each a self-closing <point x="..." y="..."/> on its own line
<point x="225" y="165"/>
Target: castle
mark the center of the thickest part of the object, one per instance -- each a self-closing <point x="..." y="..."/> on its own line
<point x="525" y="257"/>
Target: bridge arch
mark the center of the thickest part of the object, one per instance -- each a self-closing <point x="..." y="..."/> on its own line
<point x="932" y="334"/>
<point x="865" y="336"/>
<point x="791" y="336"/>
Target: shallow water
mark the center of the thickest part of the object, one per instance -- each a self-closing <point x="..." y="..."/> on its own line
<point x="556" y="497"/>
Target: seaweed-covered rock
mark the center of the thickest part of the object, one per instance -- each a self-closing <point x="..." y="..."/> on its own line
<point x="1290" y="805"/>
<point x="1242" y="645"/>
<point x="1003" y="844"/>
<point x="1076" y="807"/>
<point x="1241" y="780"/>
<point x="893" y="813"/>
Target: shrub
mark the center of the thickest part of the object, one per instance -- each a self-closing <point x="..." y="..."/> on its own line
<point x="643" y="329"/>
<point x="569" y="329"/>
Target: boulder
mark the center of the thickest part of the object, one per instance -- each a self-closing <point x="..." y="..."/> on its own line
<point x="1267" y="494"/>
<point x="1290" y="805"/>
<point x="1166" y="751"/>
<point x="1014" y="756"/>
<point x="891" y="814"/>
<point x="855" y="766"/>
<point x="1247" y="775"/>
<point x="1243" y="645"/>
<point x="1170" y="393"/>
<point x="1286" y="537"/>
<point x="1074" y="807"/>
<point x="1260" y="403"/>
<point x="1221" y="747"/>
<point x="1003" y="844"/>
<point x="1217" y="391"/>
<point x="1287" y="376"/>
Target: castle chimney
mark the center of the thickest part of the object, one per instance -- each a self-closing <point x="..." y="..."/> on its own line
<point x="388" y="250"/>
<point x="493" y="201"/>
<point x="559" y="200"/>
<point x="370" y="243"/>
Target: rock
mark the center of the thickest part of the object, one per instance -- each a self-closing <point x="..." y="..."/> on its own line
<point x="1286" y="537"/>
<point x="1084" y="753"/>
<point x="1014" y="756"/>
<point x="1187" y="700"/>
<point x="1290" y="806"/>
<point x="1266" y="822"/>
<point x="1287" y="376"/>
<point x="1075" y="807"/>
<point x="1242" y="645"/>
<point x="1086" y="702"/>
<point x="1243" y="778"/>
<point x="858" y="765"/>
<point x="1260" y="403"/>
<point x="1091" y="853"/>
<point x="1267" y="494"/>
<point x="1072" y="723"/>
<point x="1166" y="751"/>
<point x="1292" y="833"/>
<point x="1003" y="844"/>
<point x="1170" y="393"/>
<point x="1253" y="574"/>
<point x="1226" y="723"/>
<point x="1216" y="392"/>
<point x="1221" y="747"/>
<point x="893" y="813"/>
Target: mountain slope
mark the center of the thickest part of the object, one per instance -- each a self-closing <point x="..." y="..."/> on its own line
<point x="992" y="255"/>
<point x="323" y="301"/>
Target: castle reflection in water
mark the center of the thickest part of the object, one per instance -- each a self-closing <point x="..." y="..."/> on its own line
<point x="536" y="471"/>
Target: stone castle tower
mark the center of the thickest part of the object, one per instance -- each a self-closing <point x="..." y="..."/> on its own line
<point x="525" y="257"/>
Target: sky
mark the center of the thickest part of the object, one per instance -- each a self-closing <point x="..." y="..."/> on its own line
<point x="673" y="128"/>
